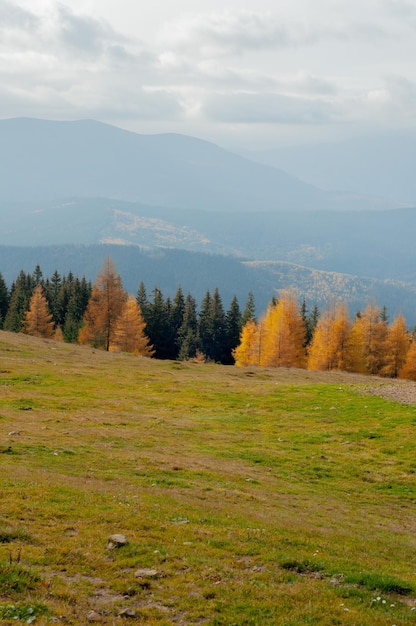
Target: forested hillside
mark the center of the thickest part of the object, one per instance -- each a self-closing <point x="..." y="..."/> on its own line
<point x="196" y="273"/>
<point x="106" y="317"/>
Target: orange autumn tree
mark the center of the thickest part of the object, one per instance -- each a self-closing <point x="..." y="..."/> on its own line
<point x="248" y="350"/>
<point x="396" y="348"/>
<point x="283" y="334"/>
<point x="38" y="320"/>
<point x="129" y="335"/>
<point x="329" y="345"/>
<point x="104" y="308"/>
<point x="409" y="367"/>
<point x="367" y="342"/>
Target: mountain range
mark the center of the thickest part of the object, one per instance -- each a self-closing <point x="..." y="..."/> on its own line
<point x="42" y="160"/>
<point x="173" y="210"/>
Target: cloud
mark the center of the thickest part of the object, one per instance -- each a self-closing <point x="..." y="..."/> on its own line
<point x="14" y="17"/>
<point x="267" y="108"/>
<point x="229" y="33"/>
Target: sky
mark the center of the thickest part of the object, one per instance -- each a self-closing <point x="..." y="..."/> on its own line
<point x="246" y="75"/>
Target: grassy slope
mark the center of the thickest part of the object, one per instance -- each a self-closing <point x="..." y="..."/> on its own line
<point x="259" y="496"/>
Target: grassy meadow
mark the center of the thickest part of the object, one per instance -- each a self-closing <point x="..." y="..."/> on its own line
<point x="247" y="496"/>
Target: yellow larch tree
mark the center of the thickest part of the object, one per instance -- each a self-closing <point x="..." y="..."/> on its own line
<point x="409" y="367"/>
<point x="104" y="307"/>
<point x="396" y="346"/>
<point x="328" y="349"/>
<point x="283" y="334"/>
<point x="367" y="342"/>
<point x="38" y="319"/>
<point x="248" y="350"/>
<point x="129" y="331"/>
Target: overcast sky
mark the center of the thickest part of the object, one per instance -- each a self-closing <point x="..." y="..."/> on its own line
<point x="243" y="74"/>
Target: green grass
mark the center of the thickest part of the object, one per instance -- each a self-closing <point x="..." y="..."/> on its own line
<point x="259" y="496"/>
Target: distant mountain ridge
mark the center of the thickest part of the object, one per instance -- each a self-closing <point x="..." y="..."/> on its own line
<point x="198" y="272"/>
<point x="42" y="160"/>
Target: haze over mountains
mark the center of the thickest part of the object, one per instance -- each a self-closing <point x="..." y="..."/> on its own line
<point x="47" y="160"/>
<point x="69" y="184"/>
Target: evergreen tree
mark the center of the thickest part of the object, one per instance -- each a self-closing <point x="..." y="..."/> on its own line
<point x="234" y="325"/>
<point x="77" y="294"/>
<point x="104" y="307"/>
<point x="188" y="341"/>
<point x="175" y="322"/>
<point x="52" y="290"/>
<point x="249" y="312"/>
<point x="4" y="300"/>
<point x="157" y="325"/>
<point x="212" y="328"/>
<point x="20" y="295"/>
<point x="38" y="320"/>
<point x="143" y="302"/>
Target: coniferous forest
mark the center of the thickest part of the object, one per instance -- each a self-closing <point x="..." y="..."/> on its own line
<point x="105" y="316"/>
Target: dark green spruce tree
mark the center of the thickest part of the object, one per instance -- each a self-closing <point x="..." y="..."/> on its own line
<point x="20" y="295"/>
<point x="188" y="341"/>
<point x="4" y="300"/>
<point x="234" y="326"/>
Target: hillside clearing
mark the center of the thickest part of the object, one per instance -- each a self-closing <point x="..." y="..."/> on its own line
<point x="247" y="496"/>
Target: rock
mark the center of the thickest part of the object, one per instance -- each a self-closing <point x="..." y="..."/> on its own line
<point x="128" y="613"/>
<point x="93" y="616"/>
<point x="116" y="541"/>
<point x="146" y="573"/>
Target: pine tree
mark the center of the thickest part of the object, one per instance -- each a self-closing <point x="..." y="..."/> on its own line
<point x="158" y="327"/>
<point x="212" y="328"/>
<point x="52" y="290"/>
<point x="129" y="331"/>
<point x="143" y="302"/>
<point x="396" y="348"/>
<point x="104" y="307"/>
<point x="175" y="322"/>
<point x="4" y="300"/>
<point x="77" y="294"/>
<point x="38" y="320"/>
<point x="249" y="310"/>
<point x="233" y="325"/>
<point x="20" y="295"/>
<point x="188" y="340"/>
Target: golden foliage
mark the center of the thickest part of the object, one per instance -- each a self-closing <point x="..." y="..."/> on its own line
<point x="129" y="335"/>
<point x="38" y="320"/>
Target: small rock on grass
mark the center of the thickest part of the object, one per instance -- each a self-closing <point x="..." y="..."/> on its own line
<point x="116" y="541"/>
<point x="128" y="613"/>
<point x="147" y="573"/>
<point x="93" y="616"/>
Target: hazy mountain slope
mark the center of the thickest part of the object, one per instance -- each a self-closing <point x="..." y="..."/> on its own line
<point x="378" y="244"/>
<point x="197" y="273"/>
<point x="375" y="165"/>
<point x="49" y="160"/>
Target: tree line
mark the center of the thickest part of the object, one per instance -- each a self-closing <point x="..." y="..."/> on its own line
<point x="285" y="337"/>
<point x="104" y="316"/>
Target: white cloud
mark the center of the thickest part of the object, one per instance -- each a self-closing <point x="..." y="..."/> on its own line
<point x="323" y="67"/>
